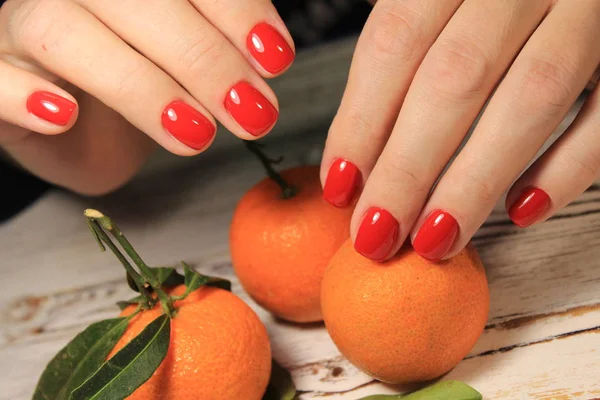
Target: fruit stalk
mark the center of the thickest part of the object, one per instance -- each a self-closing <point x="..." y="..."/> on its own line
<point x="287" y="190"/>
<point x="97" y="221"/>
<point x="103" y="240"/>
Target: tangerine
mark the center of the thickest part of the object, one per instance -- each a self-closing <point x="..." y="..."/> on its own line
<point x="219" y="349"/>
<point x="407" y="320"/>
<point x="280" y="246"/>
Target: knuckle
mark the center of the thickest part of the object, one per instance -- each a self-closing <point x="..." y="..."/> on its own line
<point x="397" y="32"/>
<point x="479" y="187"/>
<point x="401" y="171"/>
<point x="200" y="52"/>
<point x="130" y="80"/>
<point x="544" y="87"/>
<point x="457" y="69"/>
<point x="34" y="22"/>
<point x="356" y="120"/>
<point x="586" y="165"/>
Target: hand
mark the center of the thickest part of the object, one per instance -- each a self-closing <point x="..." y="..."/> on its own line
<point x="421" y="74"/>
<point x="167" y="68"/>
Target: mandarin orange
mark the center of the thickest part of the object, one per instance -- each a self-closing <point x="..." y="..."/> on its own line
<point x="280" y="247"/>
<point x="219" y="349"/>
<point x="406" y="320"/>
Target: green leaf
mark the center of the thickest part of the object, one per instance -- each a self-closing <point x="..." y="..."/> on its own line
<point x="219" y="283"/>
<point x="193" y="281"/>
<point x="136" y="300"/>
<point x="167" y="276"/>
<point x="133" y="365"/>
<point x="444" y="390"/>
<point x="79" y="359"/>
<point x="131" y="283"/>
<point x="281" y="386"/>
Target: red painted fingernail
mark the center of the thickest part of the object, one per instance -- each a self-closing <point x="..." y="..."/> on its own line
<point x="250" y="109"/>
<point x="342" y="180"/>
<point x="51" y="107"/>
<point x="377" y="234"/>
<point x="188" y="125"/>
<point x="269" y="48"/>
<point x="436" y="235"/>
<point x="528" y="208"/>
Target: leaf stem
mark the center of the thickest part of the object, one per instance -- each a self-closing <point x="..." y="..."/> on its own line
<point x="102" y="237"/>
<point x="287" y="190"/>
<point x="147" y="276"/>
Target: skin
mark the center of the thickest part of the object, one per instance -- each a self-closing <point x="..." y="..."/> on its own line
<point x="422" y="72"/>
<point x="83" y="50"/>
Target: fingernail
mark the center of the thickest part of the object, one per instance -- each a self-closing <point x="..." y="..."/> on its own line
<point x="269" y="48"/>
<point x="436" y="235"/>
<point x="188" y="125"/>
<point x="377" y="234"/>
<point x="342" y="180"/>
<point x="250" y="109"/>
<point x="51" y="107"/>
<point x="528" y="208"/>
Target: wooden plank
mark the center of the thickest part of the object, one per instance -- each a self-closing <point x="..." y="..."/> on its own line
<point x="541" y="270"/>
<point x="313" y="358"/>
<point x="560" y="369"/>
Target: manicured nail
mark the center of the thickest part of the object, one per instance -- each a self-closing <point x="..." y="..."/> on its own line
<point x="188" y="125"/>
<point x="342" y="180"/>
<point x="51" y="107"/>
<point x="528" y="208"/>
<point x="436" y="235"/>
<point x="269" y="48"/>
<point x="250" y="109"/>
<point x="377" y="234"/>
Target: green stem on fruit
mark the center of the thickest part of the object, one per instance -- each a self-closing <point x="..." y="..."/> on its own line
<point x="97" y="221"/>
<point x="287" y="190"/>
<point x="104" y="241"/>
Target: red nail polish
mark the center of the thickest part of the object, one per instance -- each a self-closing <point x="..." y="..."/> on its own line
<point x="251" y="110"/>
<point x="436" y="235"/>
<point x="377" y="234"/>
<point x="528" y="208"/>
<point x="342" y="180"/>
<point x="51" y="107"/>
<point x="188" y="125"/>
<point x="269" y="48"/>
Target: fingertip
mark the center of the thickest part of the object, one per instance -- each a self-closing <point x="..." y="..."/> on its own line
<point x="341" y="182"/>
<point x="529" y="207"/>
<point x="377" y="235"/>
<point x="271" y="47"/>
<point x="436" y="235"/>
<point x="255" y="111"/>
<point x="50" y="113"/>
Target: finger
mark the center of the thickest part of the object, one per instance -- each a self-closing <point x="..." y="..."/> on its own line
<point x="33" y="103"/>
<point x="174" y="36"/>
<point x="539" y="89"/>
<point x="559" y="176"/>
<point x="448" y="91"/>
<point x="392" y="45"/>
<point x="87" y="54"/>
<point x="98" y="155"/>
<point x="255" y="29"/>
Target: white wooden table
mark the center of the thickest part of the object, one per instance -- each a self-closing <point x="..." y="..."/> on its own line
<point x="542" y="340"/>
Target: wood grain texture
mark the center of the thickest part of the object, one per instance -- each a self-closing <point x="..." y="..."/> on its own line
<point x="543" y="336"/>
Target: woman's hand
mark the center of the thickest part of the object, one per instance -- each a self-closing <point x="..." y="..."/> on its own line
<point x="422" y="72"/>
<point x="167" y="68"/>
